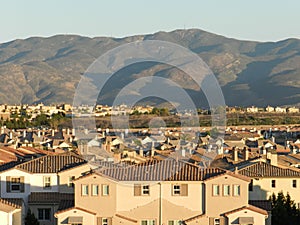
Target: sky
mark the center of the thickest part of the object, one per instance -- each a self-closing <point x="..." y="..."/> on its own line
<point x="259" y="20"/>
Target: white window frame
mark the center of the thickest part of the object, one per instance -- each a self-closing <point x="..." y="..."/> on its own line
<point x="147" y="222"/>
<point x="47" y="182"/>
<point x="84" y="189"/>
<point x="236" y="190"/>
<point x="226" y="190"/>
<point x="104" y="221"/>
<point x="217" y="221"/>
<point x="105" y="190"/>
<point x="16" y="184"/>
<point x="215" y="190"/>
<point x="146" y="189"/>
<point x="70" y="181"/>
<point x="44" y="214"/>
<point x="176" y="189"/>
<point x="95" y="189"/>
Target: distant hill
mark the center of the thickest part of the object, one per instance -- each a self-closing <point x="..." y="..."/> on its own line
<point x="250" y="73"/>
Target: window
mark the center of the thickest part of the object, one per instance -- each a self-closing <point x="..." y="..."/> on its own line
<point x="226" y="190"/>
<point x="175" y="222"/>
<point x="44" y="214"/>
<point x="251" y="185"/>
<point x="216" y="221"/>
<point x="47" y="182"/>
<point x="216" y="190"/>
<point x="294" y="183"/>
<point x="104" y="221"/>
<point x="236" y="190"/>
<point x="84" y="190"/>
<point x="148" y="222"/>
<point x="176" y="189"/>
<point x="145" y="190"/>
<point x="95" y="189"/>
<point x="105" y="189"/>
<point x="70" y="182"/>
<point x="15" y="184"/>
<point x="273" y="183"/>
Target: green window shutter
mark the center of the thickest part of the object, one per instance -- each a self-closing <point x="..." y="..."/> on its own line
<point x="184" y="190"/>
<point x="171" y="222"/>
<point x="8" y="184"/>
<point x="22" y="189"/>
<point x="137" y="190"/>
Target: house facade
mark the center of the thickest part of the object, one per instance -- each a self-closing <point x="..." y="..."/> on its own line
<point x="161" y="192"/>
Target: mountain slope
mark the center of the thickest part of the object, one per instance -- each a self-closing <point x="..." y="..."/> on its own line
<point x="250" y="73"/>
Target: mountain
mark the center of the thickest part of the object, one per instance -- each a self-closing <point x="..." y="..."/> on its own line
<point x="250" y="73"/>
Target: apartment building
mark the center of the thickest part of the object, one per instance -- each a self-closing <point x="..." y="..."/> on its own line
<point x="161" y="192"/>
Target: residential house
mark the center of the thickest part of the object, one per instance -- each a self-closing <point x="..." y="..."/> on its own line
<point x="162" y="192"/>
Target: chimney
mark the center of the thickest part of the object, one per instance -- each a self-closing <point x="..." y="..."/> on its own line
<point x="73" y="131"/>
<point x="24" y="133"/>
<point x="68" y="131"/>
<point x="246" y="154"/>
<point x="10" y="135"/>
<point x="39" y="133"/>
<point x="52" y="132"/>
<point x="272" y="158"/>
<point x="141" y="152"/>
<point x="235" y="154"/>
<point x="152" y="149"/>
<point x="183" y="152"/>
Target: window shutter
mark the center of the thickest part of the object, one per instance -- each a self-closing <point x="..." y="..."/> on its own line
<point x="22" y="189"/>
<point x="137" y="190"/>
<point x="8" y="184"/>
<point x="184" y="190"/>
<point x="211" y="221"/>
<point x="222" y="221"/>
<point x="109" y="221"/>
<point x="99" y="220"/>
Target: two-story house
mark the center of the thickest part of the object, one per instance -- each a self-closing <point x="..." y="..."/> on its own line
<point x="50" y="175"/>
<point x="161" y="192"/>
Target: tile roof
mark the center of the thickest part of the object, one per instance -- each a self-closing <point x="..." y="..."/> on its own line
<point x="164" y="170"/>
<point x="248" y="207"/>
<point x="261" y="169"/>
<point x="49" y="197"/>
<point x="14" y="202"/>
<point x="52" y="163"/>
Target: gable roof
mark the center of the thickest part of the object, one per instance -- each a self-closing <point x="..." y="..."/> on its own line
<point x="164" y="170"/>
<point x="262" y="169"/>
<point x="248" y="207"/>
<point x="52" y="163"/>
<point x="10" y="204"/>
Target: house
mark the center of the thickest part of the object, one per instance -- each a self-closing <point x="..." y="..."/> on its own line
<point x="267" y="179"/>
<point x="11" y="211"/>
<point x="47" y="174"/>
<point x="161" y="192"/>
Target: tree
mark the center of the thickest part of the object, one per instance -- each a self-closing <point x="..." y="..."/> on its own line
<point x="284" y="211"/>
<point x="30" y="219"/>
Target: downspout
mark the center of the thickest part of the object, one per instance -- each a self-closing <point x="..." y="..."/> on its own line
<point x="160" y="204"/>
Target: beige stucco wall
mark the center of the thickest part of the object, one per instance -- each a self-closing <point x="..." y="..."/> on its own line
<point x="218" y="204"/>
<point x="262" y="188"/>
<point x="259" y="219"/>
<point x="64" y="177"/>
<point x="104" y="206"/>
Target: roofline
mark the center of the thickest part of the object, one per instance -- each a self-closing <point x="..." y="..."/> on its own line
<point x="74" y="207"/>
<point x="248" y="207"/>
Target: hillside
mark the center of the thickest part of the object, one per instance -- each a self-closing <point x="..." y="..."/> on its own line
<point x="250" y="73"/>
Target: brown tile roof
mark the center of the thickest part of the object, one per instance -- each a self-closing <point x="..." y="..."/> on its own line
<point x="14" y="202"/>
<point x="126" y="218"/>
<point x="78" y="208"/>
<point x="65" y="204"/>
<point x="165" y="170"/>
<point x="49" y="197"/>
<point x="52" y="163"/>
<point x="248" y="207"/>
<point x="194" y="218"/>
<point x="261" y="169"/>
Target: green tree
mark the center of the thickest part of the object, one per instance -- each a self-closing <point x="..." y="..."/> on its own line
<point x="30" y="219"/>
<point x="284" y="210"/>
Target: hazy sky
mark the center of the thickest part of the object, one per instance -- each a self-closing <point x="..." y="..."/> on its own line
<point x="264" y="20"/>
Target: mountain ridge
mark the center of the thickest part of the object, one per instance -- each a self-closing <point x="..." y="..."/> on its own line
<point x="47" y="69"/>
